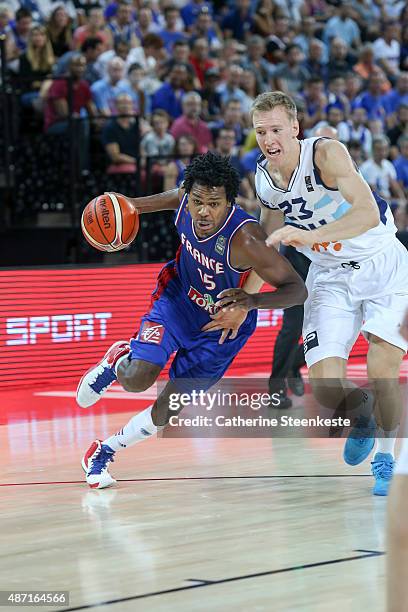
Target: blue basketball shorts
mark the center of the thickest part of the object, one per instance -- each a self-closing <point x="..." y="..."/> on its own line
<point x="164" y="331"/>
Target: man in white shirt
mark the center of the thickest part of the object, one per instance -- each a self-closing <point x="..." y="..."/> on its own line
<point x="387" y="50"/>
<point x="381" y="175"/>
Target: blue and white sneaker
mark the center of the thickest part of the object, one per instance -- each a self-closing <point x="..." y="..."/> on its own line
<point x="382" y="468"/>
<point x="95" y="464"/>
<point x="99" y="378"/>
<point x="360" y="441"/>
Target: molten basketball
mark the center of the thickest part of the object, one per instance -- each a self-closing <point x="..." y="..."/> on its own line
<point x="109" y="222"/>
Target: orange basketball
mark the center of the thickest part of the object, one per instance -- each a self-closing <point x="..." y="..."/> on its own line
<point x="109" y="222"/>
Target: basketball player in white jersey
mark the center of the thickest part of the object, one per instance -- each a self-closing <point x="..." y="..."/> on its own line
<point x="358" y="278"/>
<point x="397" y="528"/>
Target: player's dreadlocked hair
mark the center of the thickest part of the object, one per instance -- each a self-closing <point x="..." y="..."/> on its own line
<point x="212" y="170"/>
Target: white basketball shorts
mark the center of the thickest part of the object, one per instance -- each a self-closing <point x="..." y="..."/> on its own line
<point x="369" y="296"/>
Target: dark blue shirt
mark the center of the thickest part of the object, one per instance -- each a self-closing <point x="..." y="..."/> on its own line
<point x="169" y="100"/>
<point x="401" y="166"/>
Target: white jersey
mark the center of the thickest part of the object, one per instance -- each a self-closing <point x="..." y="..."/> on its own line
<point x="308" y="204"/>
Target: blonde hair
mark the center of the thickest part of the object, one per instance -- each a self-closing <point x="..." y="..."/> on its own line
<point x="271" y="99"/>
<point x="43" y="58"/>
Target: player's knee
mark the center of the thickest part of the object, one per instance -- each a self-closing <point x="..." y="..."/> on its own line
<point x="139" y="376"/>
<point x="383" y="359"/>
<point x="329" y="393"/>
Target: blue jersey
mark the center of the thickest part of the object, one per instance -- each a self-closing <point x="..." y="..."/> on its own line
<point x="184" y="299"/>
<point x="202" y="268"/>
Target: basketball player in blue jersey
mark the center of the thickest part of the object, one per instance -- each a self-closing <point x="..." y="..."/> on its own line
<point x="220" y="243"/>
<point x="313" y="198"/>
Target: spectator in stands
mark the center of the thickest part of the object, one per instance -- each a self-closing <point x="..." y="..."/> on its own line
<point x="206" y="27"/>
<point x="306" y="34"/>
<point x="19" y="32"/>
<point x="358" y="131"/>
<point x="59" y="28"/>
<point x="150" y="54"/>
<point x="200" y="59"/>
<point x="283" y="34"/>
<point x="342" y="25"/>
<point x="158" y="141"/>
<point x="40" y="9"/>
<point x="168" y="96"/>
<point x="211" y="98"/>
<point x="191" y="11"/>
<point x="238" y="22"/>
<point x="401" y="163"/>
<point x="225" y="145"/>
<point x="336" y="94"/>
<point x="231" y="88"/>
<point x="141" y="99"/>
<point x="36" y="64"/>
<point x="404" y="48"/>
<point x="180" y="55"/>
<point x="315" y="101"/>
<point x="356" y="152"/>
<point x="185" y="149"/>
<point x="230" y="53"/>
<point x="94" y="28"/>
<point x="335" y="119"/>
<point x="397" y="96"/>
<point x="56" y="113"/>
<point x="400" y="127"/>
<point x="170" y="33"/>
<point x="233" y="118"/>
<point x="106" y="90"/>
<point x="367" y="14"/>
<point x="353" y="86"/>
<point x="387" y="50"/>
<point x="256" y="63"/>
<point x="121" y="48"/>
<point x="157" y="145"/>
<point x="340" y="60"/>
<point x="315" y="63"/>
<point x="263" y="22"/>
<point x="291" y="76"/>
<point x="123" y="26"/>
<point x="120" y="137"/>
<point x="190" y="122"/>
<point x="249" y="84"/>
<point x="145" y="23"/>
<point x="372" y="98"/>
<point x="6" y="16"/>
<point x="91" y="49"/>
<point x="365" y="65"/>
<point x="381" y="175"/>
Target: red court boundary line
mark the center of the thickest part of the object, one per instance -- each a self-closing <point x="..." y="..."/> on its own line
<point x="173" y="478"/>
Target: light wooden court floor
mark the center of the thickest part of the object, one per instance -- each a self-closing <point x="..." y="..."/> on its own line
<point x="193" y="524"/>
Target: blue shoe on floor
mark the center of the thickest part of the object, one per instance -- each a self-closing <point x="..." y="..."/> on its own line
<point x="360" y="441"/>
<point x="382" y="468"/>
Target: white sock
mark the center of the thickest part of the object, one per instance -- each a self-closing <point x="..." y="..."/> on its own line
<point x="386" y="441"/>
<point x="139" y="428"/>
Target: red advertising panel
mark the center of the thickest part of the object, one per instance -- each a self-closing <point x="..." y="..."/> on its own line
<point x="56" y="323"/>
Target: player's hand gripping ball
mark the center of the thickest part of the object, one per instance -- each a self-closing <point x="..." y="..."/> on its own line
<point x="110" y="222"/>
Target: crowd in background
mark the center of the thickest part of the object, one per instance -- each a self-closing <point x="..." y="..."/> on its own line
<point x="189" y="70"/>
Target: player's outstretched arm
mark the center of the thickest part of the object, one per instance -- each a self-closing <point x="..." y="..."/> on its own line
<point x="248" y="249"/>
<point x="168" y="200"/>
